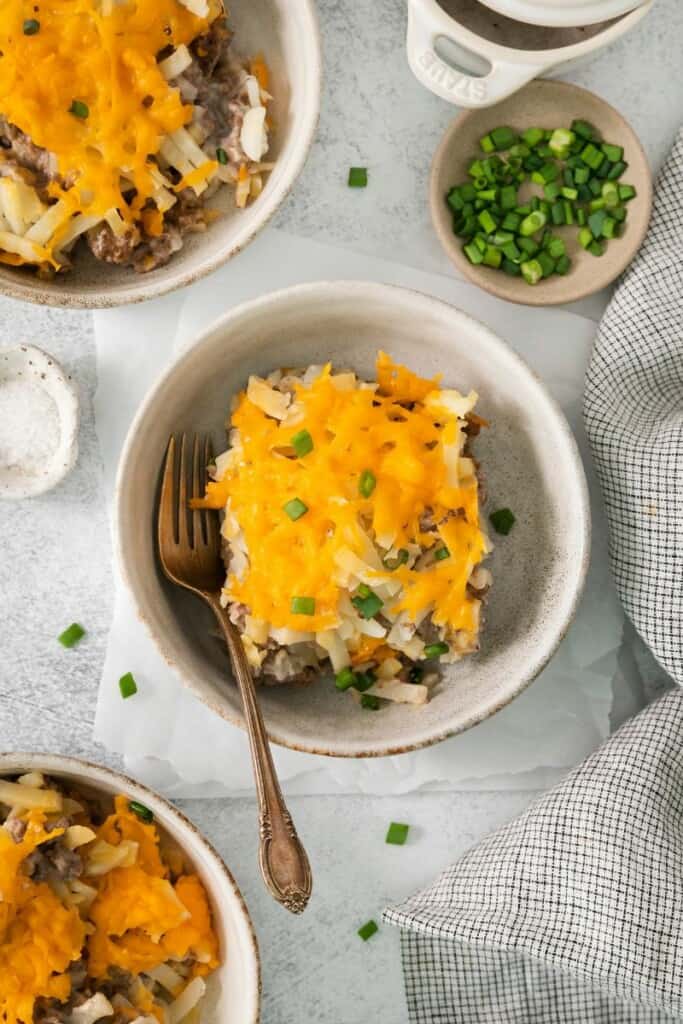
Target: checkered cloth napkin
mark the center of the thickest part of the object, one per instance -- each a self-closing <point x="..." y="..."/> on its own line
<point x="573" y="913"/>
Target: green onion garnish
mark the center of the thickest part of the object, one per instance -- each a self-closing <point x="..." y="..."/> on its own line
<point x="415" y="674"/>
<point x="295" y="509"/>
<point x="71" y="636"/>
<point x="367" y="930"/>
<point x="369" y="702"/>
<point x="345" y="679"/>
<point x="358" y="177"/>
<point x="402" y="556"/>
<point x="127" y="685"/>
<point x="397" y="833"/>
<point x="436" y="650"/>
<point x="366" y="602"/>
<point x="363" y="680"/>
<point x="502" y="521"/>
<point x="140" y="811"/>
<point x="79" y="109"/>
<point x="221" y="155"/>
<point x="302" y="443"/>
<point x="367" y="483"/>
<point x="303" y="606"/>
<point x="441" y="553"/>
<point x="31" y="27"/>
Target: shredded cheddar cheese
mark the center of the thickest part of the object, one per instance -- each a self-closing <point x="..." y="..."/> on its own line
<point x="409" y="435"/>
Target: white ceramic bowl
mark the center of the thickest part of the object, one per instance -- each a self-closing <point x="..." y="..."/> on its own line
<point x="234" y="989"/>
<point x="286" y="32"/>
<point x="473" y="57"/>
<point x="562" y="12"/>
<point x="529" y="458"/>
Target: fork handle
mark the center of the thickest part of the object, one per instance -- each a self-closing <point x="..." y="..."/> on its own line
<point x="284" y="863"/>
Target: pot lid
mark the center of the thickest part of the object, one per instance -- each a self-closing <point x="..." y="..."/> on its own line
<point x="565" y="13"/>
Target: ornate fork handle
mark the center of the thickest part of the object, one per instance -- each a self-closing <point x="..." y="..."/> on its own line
<point x="284" y="863"/>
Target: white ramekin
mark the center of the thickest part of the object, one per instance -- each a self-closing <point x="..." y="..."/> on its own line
<point x="510" y="69"/>
<point x="562" y="12"/>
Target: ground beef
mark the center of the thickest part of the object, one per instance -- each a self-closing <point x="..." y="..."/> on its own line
<point x="53" y="860"/>
<point x="155" y="252"/>
<point x="16" y="828"/>
<point x="285" y="666"/>
<point x="111" y="248"/>
<point x="27" y="153"/>
<point x="209" y="49"/>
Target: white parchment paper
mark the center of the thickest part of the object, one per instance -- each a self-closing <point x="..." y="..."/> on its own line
<point x="173" y="742"/>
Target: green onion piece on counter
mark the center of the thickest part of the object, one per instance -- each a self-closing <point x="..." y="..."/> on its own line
<point x="436" y="650"/>
<point x="221" y="156"/>
<point x="31" y="27"/>
<point x="369" y="702"/>
<point x="71" y="636"/>
<point x="363" y="681"/>
<point x="367" y="483"/>
<point x="79" y="109"/>
<point x="140" y="811"/>
<point x="368" y="930"/>
<point x="441" y="553"/>
<point x="127" y="685"/>
<point x="302" y="443"/>
<point x="502" y="521"/>
<point x="358" y="177"/>
<point x="295" y="509"/>
<point x="345" y="679"/>
<point x="366" y="602"/>
<point x="302" y="606"/>
<point x="397" y="833"/>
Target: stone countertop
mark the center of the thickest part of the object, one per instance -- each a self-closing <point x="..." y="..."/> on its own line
<point x="55" y="564"/>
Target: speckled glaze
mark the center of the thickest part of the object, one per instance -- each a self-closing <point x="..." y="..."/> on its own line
<point x="530" y="462"/>
<point x="286" y="32"/>
<point x="543" y="103"/>
<point x="234" y="990"/>
<point x="31" y="365"/>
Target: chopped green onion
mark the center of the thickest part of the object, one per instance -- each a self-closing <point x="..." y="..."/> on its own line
<point x="397" y="833"/>
<point x="415" y="674"/>
<point x="502" y="521"/>
<point x="627" y="192"/>
<point x="533" y="223"/>
<point x="369" y="702"/>
<point x="436" y="650"/>
<point x="302" y="606"/>
<point x="367" y="483"/>
<point x="441" y="553"/>
<point x="302" y="443"/>
<point x="560" y="142"/>
<point x="127" y="685"/>
<point x="368" y="930"/>
<point x="532" y="271"/>
<point x="363" y="681"/>
<point x="592" y="156"/>
<point x="358" y="177"/>
<point x="487" y="144"/>
<point x="584" y="129"/>
<point x="221" y="156"/>
<point x="366" y="602"/>
<point x="345" y="679"/>
<point x="71" y="636"/>
<point x="295" y="509"/>
<point x="532" y="136"/>
<point x="140" y="811"/>
<point x="613" y="153"/>
<point x="402" y="556"/>
<point x="31" y="27"/>
<point x="79" y="109"/>
<point x="503" y="138"/>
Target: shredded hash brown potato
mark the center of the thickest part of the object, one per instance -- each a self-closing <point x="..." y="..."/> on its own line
<point x="351" y="520"/>
<point x="99" y="916"/>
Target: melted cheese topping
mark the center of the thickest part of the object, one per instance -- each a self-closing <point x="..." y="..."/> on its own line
<point x="107" y="61"/>
<point x="410" y="443"/>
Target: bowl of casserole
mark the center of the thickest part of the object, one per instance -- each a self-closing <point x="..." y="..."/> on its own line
<point x="119" y="908"/>
<point x="170" y="133"/>
<point x="378" y="439"/>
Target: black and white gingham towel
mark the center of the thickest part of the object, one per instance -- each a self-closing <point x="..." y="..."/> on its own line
<point x="573" y="913"/>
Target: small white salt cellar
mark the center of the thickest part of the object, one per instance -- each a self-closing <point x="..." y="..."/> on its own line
<point x="39" y="416"/>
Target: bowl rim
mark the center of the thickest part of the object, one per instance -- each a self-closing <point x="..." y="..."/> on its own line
<point x="490" y="282"/>
<point x="12" y="762"/>
<point x="326" y="291"/>
<point x="141" y="289"/>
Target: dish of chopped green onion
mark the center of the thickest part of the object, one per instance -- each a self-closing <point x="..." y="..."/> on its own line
<point x="523" y="188"/>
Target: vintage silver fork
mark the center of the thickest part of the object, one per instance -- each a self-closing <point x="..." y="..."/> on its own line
<point x="189" y="548"/>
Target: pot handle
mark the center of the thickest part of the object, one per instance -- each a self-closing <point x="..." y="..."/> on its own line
<point x="426" y="23"/>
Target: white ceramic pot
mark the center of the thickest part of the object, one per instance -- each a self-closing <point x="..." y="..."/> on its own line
<point x="432" y="32"/>
<point x="562" y="12"/>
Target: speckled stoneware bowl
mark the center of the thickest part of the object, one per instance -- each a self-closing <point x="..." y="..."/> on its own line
<point x="286" y="32"/>
<point x="234" y="989"/>
<point x="544" y="104"/>
<point x="529" y="459"/>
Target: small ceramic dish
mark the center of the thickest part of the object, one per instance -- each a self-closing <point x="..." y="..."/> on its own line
<point x="39" y="426"/>
<point x="544" y="104"/>
<point x="286" y="33"/>
<point x="234" y="989"/>
<point x="529" y="458"/>
<point x="562" y="12"/>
